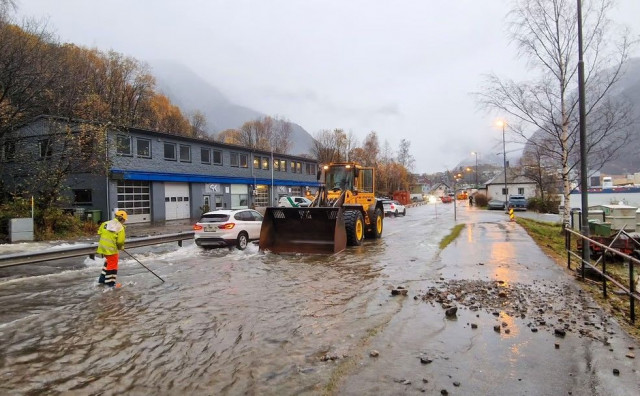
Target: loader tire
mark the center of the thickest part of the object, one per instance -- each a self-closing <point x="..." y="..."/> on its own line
<point x="376" y="225"/>
<point x="354" y="225"/>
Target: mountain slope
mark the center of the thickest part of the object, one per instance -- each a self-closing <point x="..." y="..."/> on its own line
<point x="190" y="92"/>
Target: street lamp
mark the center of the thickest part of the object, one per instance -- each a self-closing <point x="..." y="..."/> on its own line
<point x="502" y="124"/>
<point x="476" y="154"/>
<point x="456" y="177"/>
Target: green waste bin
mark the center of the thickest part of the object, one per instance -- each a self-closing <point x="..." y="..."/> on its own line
<point x="94" y="215"/>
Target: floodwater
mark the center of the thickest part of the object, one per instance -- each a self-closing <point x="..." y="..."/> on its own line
<point x="224" y="322"/>
<point x="243" y="322"/>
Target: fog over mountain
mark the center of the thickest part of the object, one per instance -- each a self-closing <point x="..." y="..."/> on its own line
<point x="190" y="92"/>
<point x="627" y="90"/>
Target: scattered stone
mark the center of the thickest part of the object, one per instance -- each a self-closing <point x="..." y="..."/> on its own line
<point x="542" y="323"/>
<point x="496" y="313"/>
<point x="444" y="392"/>
<point x="399" y="292"/>
<point x="560" y="332"/>
<point x="505" y="324"/>
<point x="451" y="312"/>
<point x="557" y="345"/>
<point x="534" y="330"/>
<point x="425" y="360"/>
<point x="424" y="380"/>
<point x="616" y="372"/>
<point x="374" y="353"/>
<point x="630" y="355"/>
<point x="496" y="328"/>
<point x="507" y="331"/>
<point x="456" y="383"/>
<point x="474" y="326"/>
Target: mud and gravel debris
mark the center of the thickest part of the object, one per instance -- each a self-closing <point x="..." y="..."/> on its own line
<point x="554" y="307"/>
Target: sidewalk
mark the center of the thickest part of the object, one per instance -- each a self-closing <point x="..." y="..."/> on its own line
<point x="522" y="326"/>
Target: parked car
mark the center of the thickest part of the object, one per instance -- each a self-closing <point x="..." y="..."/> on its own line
<point x="517" y="202"/>
<point x="446" y="199"/>
<point x="228" y="228"/>
<point x="392" y="207"/>
<point x="294" y="202"/>
<point x="495" y="204"/>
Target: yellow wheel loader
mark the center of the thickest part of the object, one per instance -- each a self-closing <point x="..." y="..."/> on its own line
<point x="344" y="212"/>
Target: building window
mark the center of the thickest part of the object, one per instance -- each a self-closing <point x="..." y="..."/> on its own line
<point x="276" y="165"/>
<point x="521" y="190"/>
<point x="244" y="161"/>
<point x="44" y="147"/>
<point x="217" y="157"/>
<point x="265" y="163"/>
<point x="185" y="153"/>
<point x="170" y="151"/>
<point x="234" y="160"/>
<point x="293" y="167"/>
<point x="298" y="167"/>
<point x="8" y="151"/>
<point x="123" y="145"/>
<point x="256" y="162"/>
<point x="205" y="155"/>
<point x="143" y="148"/>
<point x="82" y="197"/>
<point x="311" y="169"/>
<point x="283" y="165"/>
<point x="505" y="191"/>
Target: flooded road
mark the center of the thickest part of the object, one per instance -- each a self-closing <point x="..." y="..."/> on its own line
<point x="242" y="322"/>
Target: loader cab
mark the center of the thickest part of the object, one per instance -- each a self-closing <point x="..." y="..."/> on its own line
<point x="340" y="177"/>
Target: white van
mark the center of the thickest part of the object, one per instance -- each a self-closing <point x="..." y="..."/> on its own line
<point x="294" y="202"/>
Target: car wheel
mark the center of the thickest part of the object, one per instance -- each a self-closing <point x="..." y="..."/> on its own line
<point x="243" y="240"/>
<point x="404" y="212"/>
<point x="396" y="213"/>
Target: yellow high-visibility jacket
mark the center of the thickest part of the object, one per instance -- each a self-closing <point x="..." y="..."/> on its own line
<point x="111" y="237"/>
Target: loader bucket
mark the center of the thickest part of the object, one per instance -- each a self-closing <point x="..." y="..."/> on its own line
<point x="303" y="230"/>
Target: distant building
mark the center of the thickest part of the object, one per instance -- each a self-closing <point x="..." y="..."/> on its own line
<point x="516" y="184"/>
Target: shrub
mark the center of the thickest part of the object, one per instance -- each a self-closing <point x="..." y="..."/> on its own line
<point x="548" y="205"/>
<point x="480" y="199"/>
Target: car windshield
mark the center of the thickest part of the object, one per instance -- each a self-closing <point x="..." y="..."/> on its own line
<point x="214" y="218"/>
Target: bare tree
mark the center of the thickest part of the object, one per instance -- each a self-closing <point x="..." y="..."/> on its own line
<point x="198" y="124"/>
<point x="546" y="34"/>
<point x="404" y="157"/>
<point x="328" y="146"/>
<point x="539" y="166"/>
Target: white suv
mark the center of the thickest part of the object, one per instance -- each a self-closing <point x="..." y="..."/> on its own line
<point x="294" y="202"/>
<point x="228" y="228"/>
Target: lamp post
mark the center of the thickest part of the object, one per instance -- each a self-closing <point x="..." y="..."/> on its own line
<point x="502" y="124"/>
<point x="456" y="177"/>
<point x="476" y="154"/>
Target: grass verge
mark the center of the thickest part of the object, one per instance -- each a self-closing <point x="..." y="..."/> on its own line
<point x="455" y="231"/>
<point x="550" y="238"/>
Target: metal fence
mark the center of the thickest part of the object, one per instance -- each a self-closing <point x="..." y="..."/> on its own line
<point x="585" y="266"/>
<point x="89" y="249"/>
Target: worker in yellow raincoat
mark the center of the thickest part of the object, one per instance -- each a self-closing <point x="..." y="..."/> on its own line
<point x="112" y="237"/>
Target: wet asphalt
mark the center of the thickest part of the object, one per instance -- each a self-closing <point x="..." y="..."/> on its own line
<point x="246" y="323"/>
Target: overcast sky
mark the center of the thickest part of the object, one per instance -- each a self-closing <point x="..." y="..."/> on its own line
<point x="404" y="69"/>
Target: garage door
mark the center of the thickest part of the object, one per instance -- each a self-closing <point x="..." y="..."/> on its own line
<point x="176" y="201"/>
<point x="133" y="196"/>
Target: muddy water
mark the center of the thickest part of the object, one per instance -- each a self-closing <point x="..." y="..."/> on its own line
<point x="223" y="323"/>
